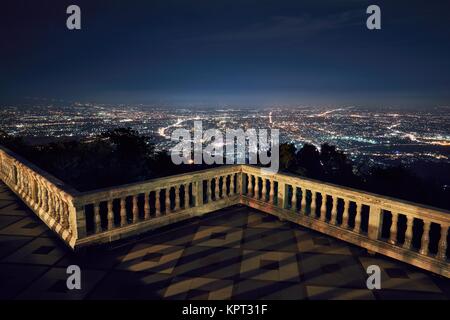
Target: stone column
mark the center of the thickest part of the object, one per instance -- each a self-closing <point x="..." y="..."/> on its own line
<point x="393" y="231"/>
<point x="50" y="208"/>
<point x="375" y="222"/>
<point x="135" y="209"/>
<point x="185" y="196"/>
<point x="256" y="195"/>
<point x="333" y="218"/>
<point x="110" y="215"/>
<point x="232" y="184"/>
<point x="442" y="246"/>
<point x="313" y="203"/>
<point x="250" y="186"/>
<point x="323" y="207"/>
<point x="409" y="232"/>
<point x="264" y="189"/>
<point x="303" y="201"/>
<point x="358" y="217"/>
<point x="345" y="213"/>
<point x="146" y="206"/>
<point x="223" y="188"/>
<point x="167" y="199"/>
<point x="123" y="212"/>
<point x="208" y="190"/>
<point x="272" y="191"/>
<point x="39" y="193"/>
<point x="240" y="183"/>
<point x="157" y="202"/>
<point x="294" y="198"/>
<point x="197" y="193"/>
<point x="216" y="189"/>
<point x="97" y="218"/>
<point x="56" y="212"/>
<point x="281" y="194"/>
<point x="177" y="198"/>
<point x="425" y="238"/>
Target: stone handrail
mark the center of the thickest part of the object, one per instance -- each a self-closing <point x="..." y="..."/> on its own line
<point x="113" y="213"/>
<point x="48" y="197"/>
<point x="409" y="232"/>
<point x="395" y="228"/>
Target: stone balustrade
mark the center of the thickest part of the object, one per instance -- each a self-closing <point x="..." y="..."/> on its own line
<point x="402" y="230"/>
<point x="113" y="213"/>
<point x="48" y="197"/>
<point x="409" y="232"/>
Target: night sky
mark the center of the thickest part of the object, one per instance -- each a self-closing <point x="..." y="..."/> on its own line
<point x="234" y="52"/>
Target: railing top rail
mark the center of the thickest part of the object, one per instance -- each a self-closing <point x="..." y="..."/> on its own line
<point x="364" y="197"/>
<point x="161" y="182"/>
<point x="68" y="190"/>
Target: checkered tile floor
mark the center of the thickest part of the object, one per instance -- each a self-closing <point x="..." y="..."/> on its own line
<point x="236" y="253"/>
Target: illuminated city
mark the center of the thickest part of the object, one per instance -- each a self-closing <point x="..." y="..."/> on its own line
<point x="119" y="178"/>
<point x="381" y="135"/>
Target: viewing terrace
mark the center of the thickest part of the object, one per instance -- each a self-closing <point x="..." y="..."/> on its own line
<point x="335" y="219"/>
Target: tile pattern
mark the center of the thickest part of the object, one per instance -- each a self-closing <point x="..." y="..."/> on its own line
<point x="235" y="253"/>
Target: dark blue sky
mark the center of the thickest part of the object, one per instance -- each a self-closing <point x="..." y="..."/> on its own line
<point x="215" y="52"/>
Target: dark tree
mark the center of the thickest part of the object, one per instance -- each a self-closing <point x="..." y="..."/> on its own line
<point x="308" y="159"/>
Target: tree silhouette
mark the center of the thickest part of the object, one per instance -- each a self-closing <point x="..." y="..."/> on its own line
<point x="308" y="159"/>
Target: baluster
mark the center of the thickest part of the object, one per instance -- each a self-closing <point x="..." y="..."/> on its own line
<point x="27" y="185"/>
<point x="345" y="213"/>
<point x="146" y="206"/>
<point x="64" y="214"/>
<point x="281" y="195"/>
<point x="208" y="190"/>
<point x="256" y="195"/>
<point x="223" y="189"/>
<point x="177" y="198"/>
<point x="167" y="200"/>
<point x="44" y="198"/>
<point x="135" y="208"/>
<point x="313" y="203"/>
<point x="358" y="217"/>
<point x="110" y="215"/>
<point x="19" y="180"/>
<point x="393" y="231"/>
<point x="57" y="213"/>
<point x="97" y="218"/>
<point x="425" y="238"/>
<point x="294" y="198"/>
<point x="197" y="194"/>
<point x="408" y="233"/>
<point x="250" y="186"/>
<point x="226" y="192"/>
<point x="333" y="219"/>
<point x="39" y="194"/>
<point x="442" y="246"/>
<point x="264" y="189"/>
<point x="158" y="202"/>
<point x="51" y="207"/>
<point x="35" y="190"/>
<point x="186" y="195"/>
<point x="123" y="212"/>
<point x="323" y="207"/>
<point x="303" y="201"/>
<point x="216" y="189"/>
<point x="232" y="176"/>
<point x="271" y="192"/>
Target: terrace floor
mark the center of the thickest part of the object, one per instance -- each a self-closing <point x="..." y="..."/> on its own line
<point x="235" y="253"/>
